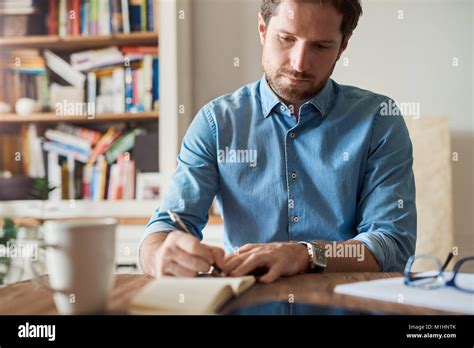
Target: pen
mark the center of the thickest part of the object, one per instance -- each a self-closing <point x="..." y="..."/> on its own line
<point x="182" y="227"/>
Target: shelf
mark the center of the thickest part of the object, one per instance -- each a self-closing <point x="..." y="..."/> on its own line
<point x="129" y="212"/>
<point x="79" y="42"/>
<point x="51" y="117"/>
<point x="78" y="209"/>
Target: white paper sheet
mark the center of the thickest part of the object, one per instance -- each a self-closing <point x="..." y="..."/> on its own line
<point x="394" y="290"/>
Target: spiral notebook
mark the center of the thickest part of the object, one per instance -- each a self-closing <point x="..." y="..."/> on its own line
<point x="172" y="295"/>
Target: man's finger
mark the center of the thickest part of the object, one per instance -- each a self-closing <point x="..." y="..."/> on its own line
<point x="218" y="256"/>
<point x="232" y="263"/>
<point x="250" y="263"/>
<point x="193" y="263"/>
<point x="173" y="269"/>
<point x="273" y="274"/>
<point x="239" y="252"/>
<point x="193" y="246"/>
<point x="246" y="247"/>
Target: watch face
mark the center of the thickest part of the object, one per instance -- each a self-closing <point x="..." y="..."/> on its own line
<point x="319" y="256"/>
<point x="321" y="260"/>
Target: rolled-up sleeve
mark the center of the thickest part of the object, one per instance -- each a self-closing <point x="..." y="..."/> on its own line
<point x="386" y="209"/>
<point x="194" y="182"/>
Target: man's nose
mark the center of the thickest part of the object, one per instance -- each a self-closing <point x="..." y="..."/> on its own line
<point x="299" y="58"/>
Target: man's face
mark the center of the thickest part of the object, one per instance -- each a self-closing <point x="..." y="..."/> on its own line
<point x="301" y="46"/>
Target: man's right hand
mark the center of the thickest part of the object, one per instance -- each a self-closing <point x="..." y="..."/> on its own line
<point x="183" y="255"/>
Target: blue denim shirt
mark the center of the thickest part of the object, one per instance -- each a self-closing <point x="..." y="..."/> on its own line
<point x="342" y="171"/>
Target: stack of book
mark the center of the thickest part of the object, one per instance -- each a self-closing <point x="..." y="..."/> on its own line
<point x="23" y="75"/>
<point x="16" y="17"/>
<point x="16" y="7"/>
<point x="100" y="17"/>
<point x="87" y="164"/>
<point x="120" y="80"/>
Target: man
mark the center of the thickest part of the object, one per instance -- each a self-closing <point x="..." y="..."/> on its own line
<point x="310" y="175"/>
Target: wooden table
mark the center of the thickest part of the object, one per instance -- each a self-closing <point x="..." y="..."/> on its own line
<point x="28" y="298"/>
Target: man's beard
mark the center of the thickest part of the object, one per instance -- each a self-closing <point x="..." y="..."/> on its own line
<point x="293" y="94"/>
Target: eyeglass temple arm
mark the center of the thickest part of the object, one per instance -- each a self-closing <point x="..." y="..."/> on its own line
<point x="448" y="260"/>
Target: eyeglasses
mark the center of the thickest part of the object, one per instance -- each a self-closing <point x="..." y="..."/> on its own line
<point x="433" y="275"/>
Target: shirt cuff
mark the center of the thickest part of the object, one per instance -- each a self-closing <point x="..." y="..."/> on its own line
<point x="382" y="247"/>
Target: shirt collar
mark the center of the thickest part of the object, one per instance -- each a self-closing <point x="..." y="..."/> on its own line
<point x="322" y="101"/>
<point x="268" y="98"/>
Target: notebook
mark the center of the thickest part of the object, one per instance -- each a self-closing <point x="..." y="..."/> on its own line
<point x="394" y="290"/>
<point x="188" y="296"/>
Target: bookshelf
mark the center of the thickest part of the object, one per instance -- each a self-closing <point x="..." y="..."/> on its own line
<point x="175" y="93"/>
<point x="64" y="44"/>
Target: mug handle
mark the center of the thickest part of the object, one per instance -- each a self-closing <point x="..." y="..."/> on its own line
<point x="37" y="277"/>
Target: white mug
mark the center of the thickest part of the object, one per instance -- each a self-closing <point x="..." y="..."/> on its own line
<point x="26" y="106"/>
<point x="80" y="264"/>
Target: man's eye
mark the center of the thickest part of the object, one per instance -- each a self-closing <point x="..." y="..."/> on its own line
<point x="286" y="39"/>
<point x="322" y="47"/>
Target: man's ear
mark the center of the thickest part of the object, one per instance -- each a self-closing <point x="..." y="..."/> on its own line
<point x="344" y="45"/>
<point x="262" y="28"/>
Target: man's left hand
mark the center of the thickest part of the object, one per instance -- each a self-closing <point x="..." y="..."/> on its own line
<point x="277" y="259"/>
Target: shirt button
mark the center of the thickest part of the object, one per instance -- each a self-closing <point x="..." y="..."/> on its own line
<point x="296" y="218"/>
<point x="282" y="108"/>
<point x="293" y="175"/>
<point x="293" y="135"/>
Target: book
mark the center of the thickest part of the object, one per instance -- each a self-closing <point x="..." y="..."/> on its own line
<point x="64" y="70"/>
<point x="53" y="17"/>
<point x="150" y="13"/>
<point x="62" y="18"/>
<point x="36" y="167"/>
<point x="79" y="154"/>
<point x="85" y="17"/>
<point x="125" y="17"/>
<point x="188" y="296"/>
<point x="105" y="142"/>
<point x="54" y="175"/>
<point x="116" y="16"/>
<point x="90" y="135"/>
<point x="75" y="18"/>
<point x="67" y="139"/>
<point x="123" y="144"/>
<point x="135" y="13"/>
<point x="94" y="17"/>
<point x="118" y="76"/>
<point x="92" y="59"/>
<point x="64" y="181"/>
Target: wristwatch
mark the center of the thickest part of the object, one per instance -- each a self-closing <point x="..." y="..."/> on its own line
<point x="317" y="257"/>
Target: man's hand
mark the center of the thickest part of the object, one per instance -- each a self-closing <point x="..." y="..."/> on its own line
<point x="183" y="255"/>
<point x="278" y="259"/>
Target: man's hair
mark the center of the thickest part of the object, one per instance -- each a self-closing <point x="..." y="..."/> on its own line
<point x="351" y="10"/>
